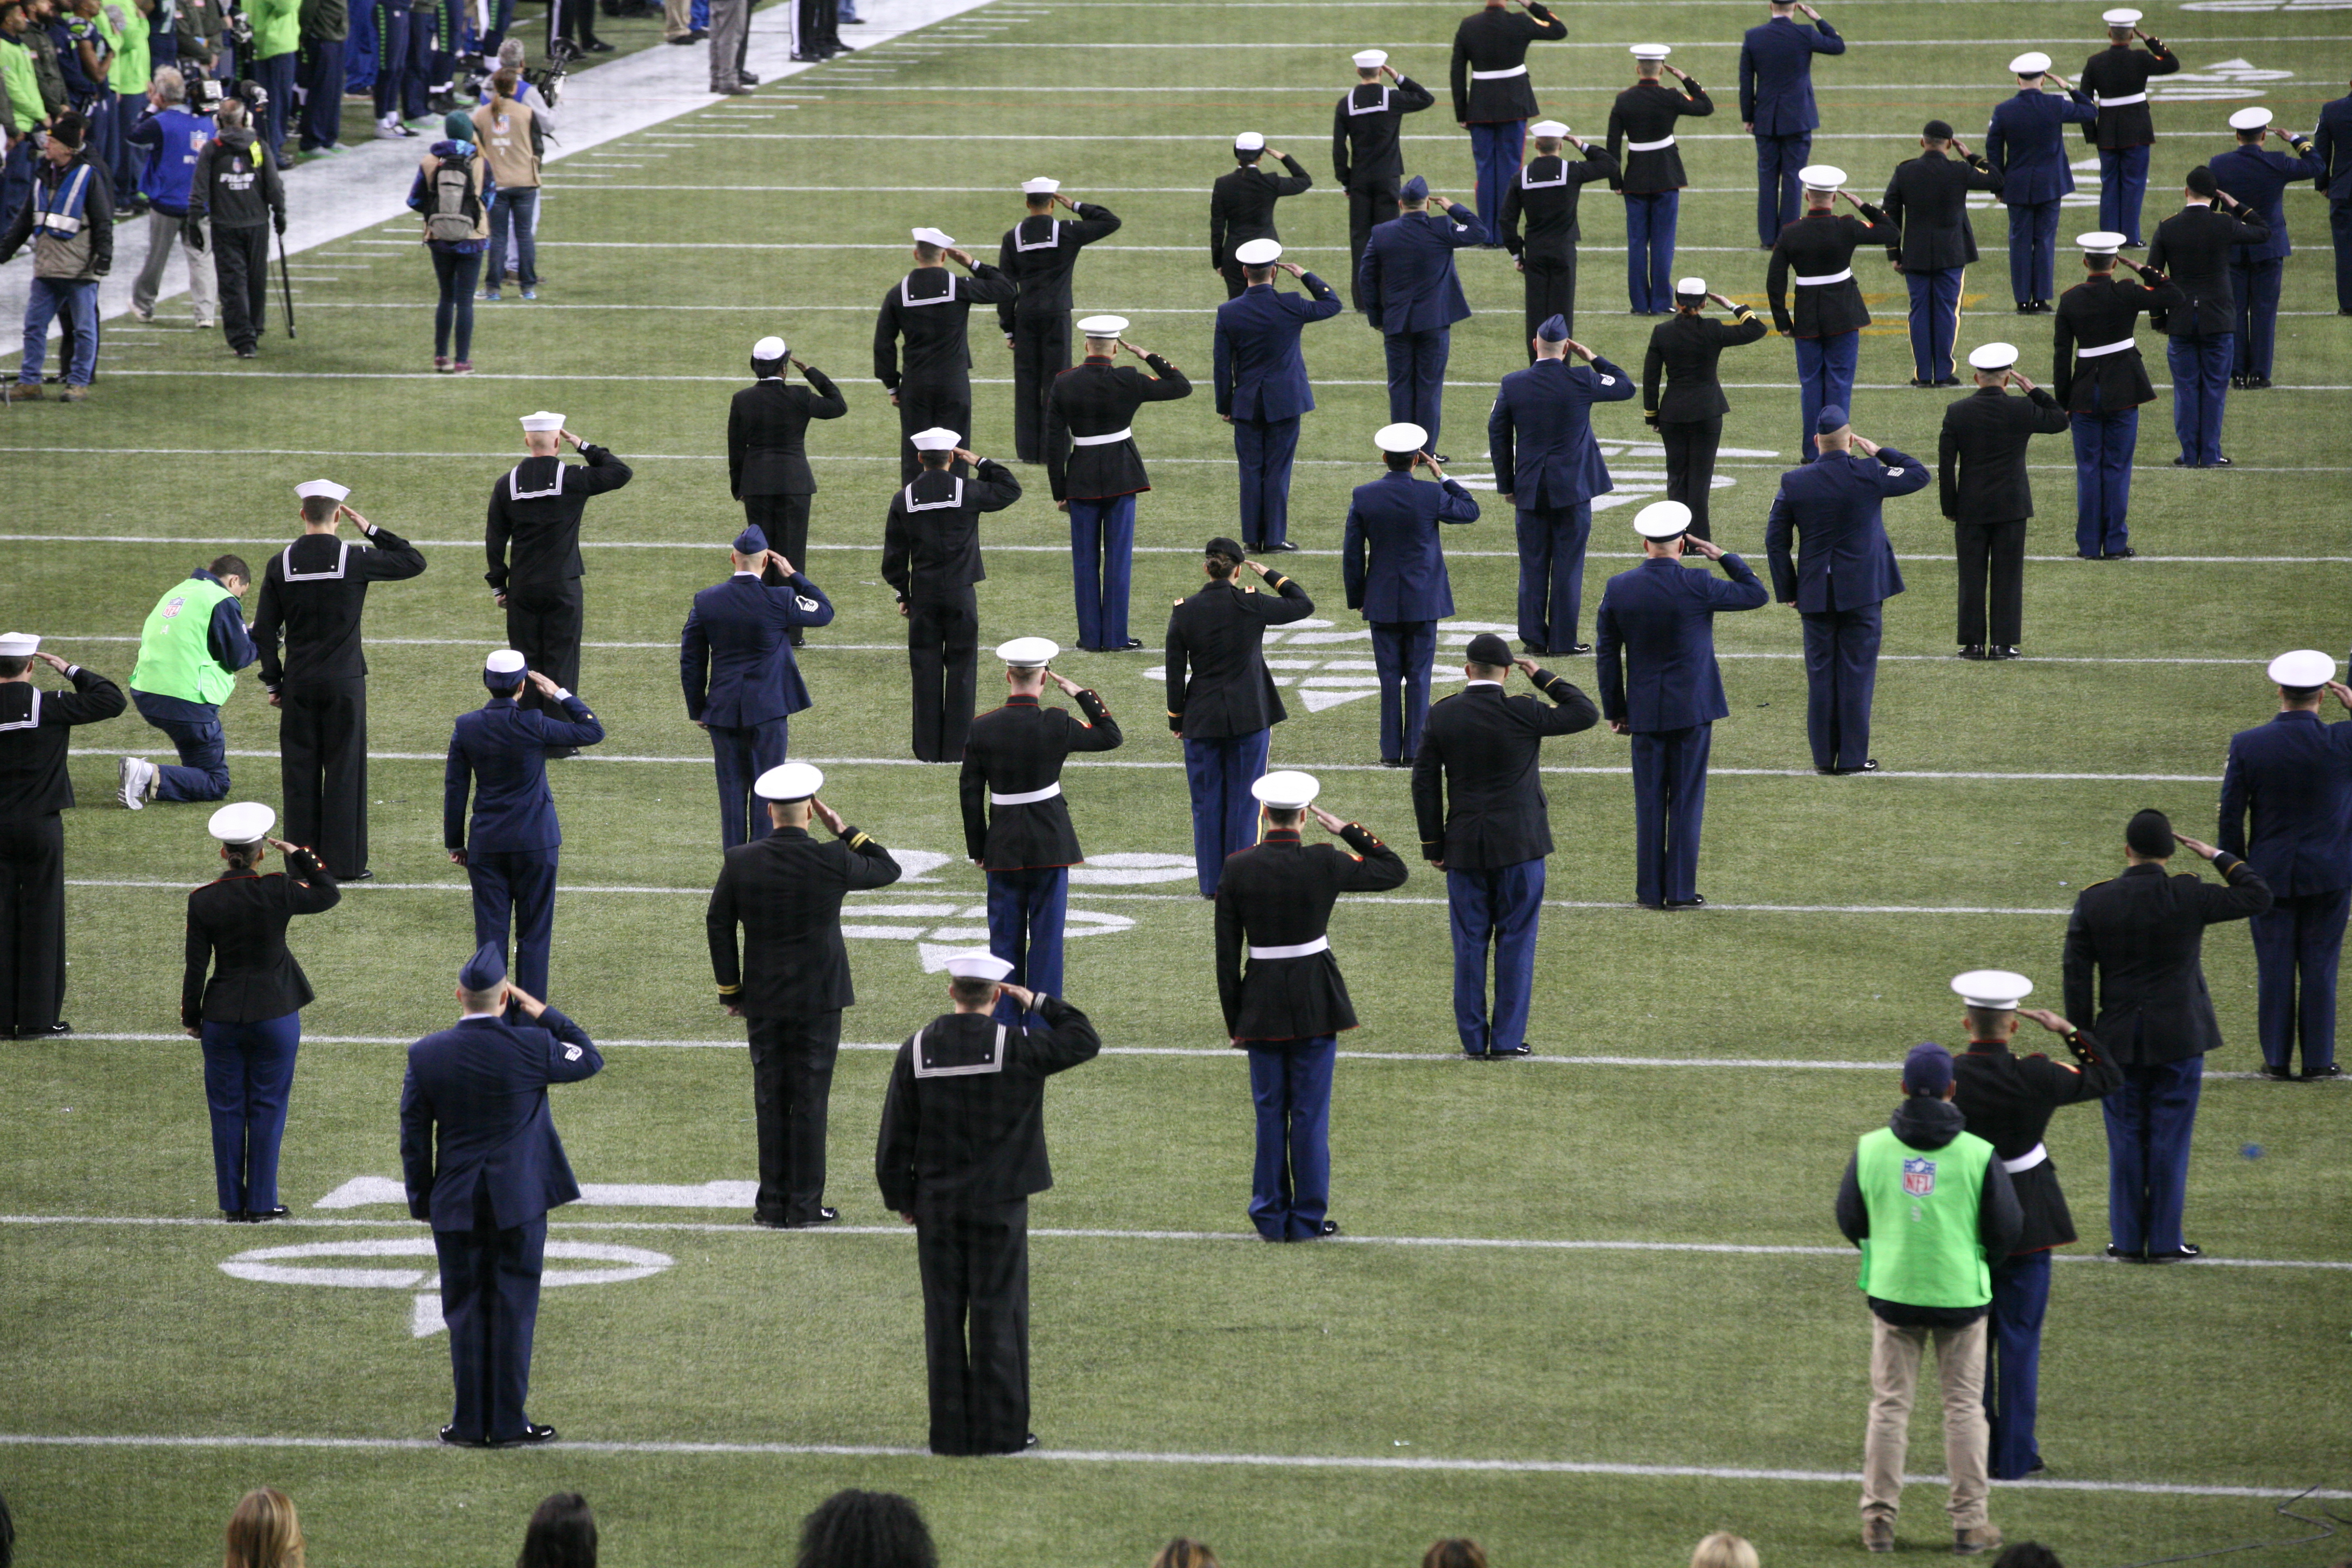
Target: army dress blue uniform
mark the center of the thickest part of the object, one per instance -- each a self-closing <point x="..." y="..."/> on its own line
<point x="2116" y="79"/>
<point x="2259" y="177"/>
<point x="2198" y="248"/>
<point x="2098" y="377"/>
<point x="1926" y="201"/>
<point x="1262" y="388"/>
<point x="2025" y="144"/>
<point x="1826" y="313"/>
<point x="2294" y="776"/>
<point x="1394" y="570"/>
<point x="1414" y="296"/>
<point x="742" y="684"/>
<point x="1549" y="468"/>
<point x="1776" y="98"/>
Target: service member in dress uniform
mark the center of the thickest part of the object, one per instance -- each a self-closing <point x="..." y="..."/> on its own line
<point x="1654" y="650"/>
<point x="766" y="453"/>
<point x="1286" y="1007"/>
<point x="1816" y="254"/>
<point x="1688" y="414"/>
<point x="2008" y="1101"/>
<point x="1394" y="566"/>
<point x="1641" y="133"/>
<point x="2026" y="146"/>
<point x="499" y="754"/>
<point x="2098" y="377"/>
<point x="1479" y="801"/>
<point x="742" y="684"/>
<point x="1240" y="204"/>
<point x="1221" y="701"/>
<point x="1926" y="203"/>
<point x="312" y="595"/>
<point x="1096" y="472"/>
<point x="2259" y="178"/>
<point x="483" y="1164"/>
<point x="1413" y="295"/>
<point x="1039" y="253"/>
<point x="1260" y="384"/>
<point x="2294" y="775"/>
<point x="931" y="307"/>
<point x="790" y="978"/>
<point x="1493" y="99"/>
<point x="1775" y="107"/>
<point x="1016" y="825"/>
<point x="1547" y="469"/>
<point x="533" y="541"/>
<point x="2134" y="964"/>
<point x="1544" y="194"/>
<point x="35" y="788"/>
<point x="2116" y="79"/>
<point x="1365" y="156"/>
<point x="963" y="1149"/>
<point x="1842" y="574"/>
<point x="249" y="1012"/>
<point x="2332" y="145"/>
<point x="930" y="557"/>
<point x="1987" y="494"/>
<point x="2197" y="247"/>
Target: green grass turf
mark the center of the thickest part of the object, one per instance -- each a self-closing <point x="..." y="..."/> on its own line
<point x="1752" y="1362"/>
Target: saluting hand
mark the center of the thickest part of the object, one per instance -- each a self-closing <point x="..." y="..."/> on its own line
<point x="1292" y="268"/>
<point x="54" y="662"/>
<point x="1069" y="688"/>
<point x="2343" y="693"/>
<point x="1719" y="300"/>
<point x="2197" y="846"/>
<point x="1525" y="665"/>
<point x="532" y="1005"/>
<point x="541" y="684"/>
<point x="1391" y="72"/>
<point x="1869" y="448"/>
<point x="1580" y="351"/>
<point x="1331" y="824"/>
<point x="1257" y="566"/>
<point x="1707" y="547"/>
<point x="1025" y="998"/>
<point x="2046" y="1018"/>
<point x="827" y="814"/>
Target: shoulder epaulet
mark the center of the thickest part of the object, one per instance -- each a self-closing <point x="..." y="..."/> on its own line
<point x="2100" y="883"/>
<point x="1176" y="601"/>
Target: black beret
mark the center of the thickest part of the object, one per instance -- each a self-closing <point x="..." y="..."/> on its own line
<point x="2149" y="833"/>
<point x="1230" y="549"/>
<point x="1937" y="130"/>
<point x="2201" y="181"/>
<point x="1488" y="648"/>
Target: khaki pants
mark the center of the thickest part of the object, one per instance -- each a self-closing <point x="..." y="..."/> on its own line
<point x="1894" y="1356"/>
<point x="163" y="239"/>
<point x="676" y="18"/>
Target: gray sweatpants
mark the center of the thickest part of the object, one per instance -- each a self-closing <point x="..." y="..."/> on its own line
<point x="731" y="36"/>
<point x="163" y="239"/>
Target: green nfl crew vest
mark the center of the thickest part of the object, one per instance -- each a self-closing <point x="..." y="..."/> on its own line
<point x="176" y="655"/>
<point x="1922" y="1249"/>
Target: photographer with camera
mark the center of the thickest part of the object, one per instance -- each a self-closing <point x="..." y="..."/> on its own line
<point x="506" y="131"/>
<point x="69" y="223"/>
<point x="238" y="190"/>
<point x="171" y="133"/>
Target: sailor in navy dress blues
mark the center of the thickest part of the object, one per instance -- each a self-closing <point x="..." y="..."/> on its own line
<point x="1394" y="566"/>
<point x="1260" y="384"/>
<point x="1544" y="194"/>
<point x="2259" y="177"/>
<point x="1775" y="106"/>
<point x="1040" y="253"/>
<point x="931" y="558"/>
<point x="767" y="446"/>
<point x="1547" y="469"/>
<point x="742" y="684"/>
<point x="2116" y="78"/>
<point x="2026" y="146"/>
<point x="1096" y="472"/>
<point x="2100" y="380"/>
<point x="1689" y="415"/>
<point x="533" y="542"/>
<point x="1240" y="204"/>
<point x="1366" y="160"/>
<point x="36" y="790"/>
<point x="930" y="309"/>
<point x="1493" y="99"/>
<point x="1986" y="492"/>
<point x="1641" y="133"/>
<point x="1826" y="317"/>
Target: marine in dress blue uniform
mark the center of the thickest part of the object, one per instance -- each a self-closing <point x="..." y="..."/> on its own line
<point x="1775" y="107"/>
<point x="1414" y="296"/>
<point x="1261" y="384"/>
<point x="1547" y="469"/>
<point x="1642" y="130"/>
<point x="1493" y="99"/>
<point x="1096" y="472"/>
<point x="2292" y="777"/>
<point x="1842" y="575"/>
<point x="1926" y="201"/>
<point x="1815" y="254"/>
<point x="2197" y="247"/>
<point x="2116" y="79"/>
<point x="2259" y="178"/>
<point x="1654" y="649"/>
<point x="497" y="754"/>
<point x="2332" y="145"/>
<point x="742" y="684"/>
<point x="2026" y="145"/>
<point x="483" y="1165"/>
<point x="2097" y="376"/>
<point x="1394" y="566"/>
<point x="1365" y="155"/>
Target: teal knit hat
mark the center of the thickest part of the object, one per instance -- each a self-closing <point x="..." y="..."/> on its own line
<point x="457" y="127"/>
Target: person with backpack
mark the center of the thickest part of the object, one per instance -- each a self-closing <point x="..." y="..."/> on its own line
<point x="508" y="131"/>
<point x="237" y="188"/>
<point x="454" y="189"/>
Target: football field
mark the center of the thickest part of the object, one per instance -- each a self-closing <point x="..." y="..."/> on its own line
<point x="1587" y="1306"/>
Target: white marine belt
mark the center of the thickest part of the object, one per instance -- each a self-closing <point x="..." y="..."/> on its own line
<point x="1295" y="950"/>
<point x="2027" y="1161"/>
<point x="1497" y="76"/>
<point x="1103" y="440"/>
<point x="1649" y="146"/>
<point x="1821" y="279"/>
<point x="1025" y="797"/>
<point x="2081" y="353"/>
<point x="2119" y="102"/>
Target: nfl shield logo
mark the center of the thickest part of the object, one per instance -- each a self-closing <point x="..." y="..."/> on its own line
<point x="1919" y="1177"/>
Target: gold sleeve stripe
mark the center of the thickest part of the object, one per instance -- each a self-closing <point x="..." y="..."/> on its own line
<point x="860" y="840"/>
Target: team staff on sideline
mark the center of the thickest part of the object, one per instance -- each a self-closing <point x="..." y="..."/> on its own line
<point x="2008" y="1101"/>
<point x="1651" y="178"/>
<point x="790" y="978"/>
<point x="766" y="453"/>
<point x="1688" y="414"/>
<point x="2259" y="179"/>
<point x="1987" y="496"/>
<point x="1366" y="159"/>
<point x="174" y="136"/>
<point x="532" y="539"/>
<point x="35" y="788"/>
<point x="497" y="755"/>
<point x="1547" y="469"/>
<point x="1241" y="206"/>
<point x="68" y="220"/>
<point x="314" y="594"/>
<point x="2134" y="962"/>
<point x="483" y="1165"/>
<point x="1932" y="1210"/>
<point x="1221" y="701"/>
<point x="1654" y="649"/>
<point x="2294" y="775"/>
<point x="2332" y="145"/>
<point x="1039" y="254"/>
<point x="190" y="649"/>
<point x="2198" y="246"/>
<point x="326" y="27"/>
<point x="2098" y="376"/>
<point x="1392" y="565"/>
<point x="1775" y="107"/>
<point x="2116" y="79"/>
<point x="1546" y="194"/>
<point x="961" y="1151"/>
<point x="1096" y="472"/>
<point x="235" y="198"/>
<point x="1287" y="1007"/>
<point x="1493" y="99"/>
<point x="1016" y="825"/>
<point x="1260" y="384"/>
<point x="249" y="1013"/>
<point x="1926" y="203"/>
<point x="2025" y="145"/>
<point x="931" y="558"/>
<point x="930" y="309"/>
<point x="742" y="684"/>
<point x="1413" y="295"/>
<point x="1485" y="823"/>
<point x="1826" y="318"/>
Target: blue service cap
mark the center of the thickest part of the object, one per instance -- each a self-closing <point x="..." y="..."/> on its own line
<point x="1831" y="418"/>
<point x="1554" y="330"/>
<point x="485" y="969"/>
<point x="1927" y="1069"/>
<point x="1415" y="190"/>
<point x="750" y="542"/>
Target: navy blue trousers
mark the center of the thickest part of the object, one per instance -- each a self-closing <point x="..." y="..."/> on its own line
<point x="741" y="753"/>
<point x="1494" y="909"/>
<point x="1225" y="813"/>
<point x="1777" y="203"/>
<point x="1669" y="804"/>
<point x="276" y="72"/>
<point x="1290" y="1185"/>
<point x="1026" y="911"/>
<point x="1497" y="147"/>
<point x="2103" y="444"/>
<point x="1825" y="376"/>
<point x="2150" y="1120"/>
<point x="490" y="1298"/>
<point x="2034" y="250"/>
<point x="2123" y="183"/>
<point x="2255" y="285"/>
<point x="1935" y="320"/>
<point x="2297" y="944"/>
<point x="1266" y="449"/>
<point x="2021" y="1296"/>
<point x="322" y="93"/>
<point x="1416" y="363"/>
<point x="16" y="180"/>
<point x="1102" y="564"/>
<point x="1650" y="250"/>
<point x="392" y="59"/>
<point x="248" y="1074"/>
<point x="1841" y="677"/>
<point x="1552" y="573"/>
<point x="1403" y="653"/>
<point x="2339" y="230"/>
<point x="195" y="731"/>
<point x="2200" y="392"/>
<point x="516" y="889"/>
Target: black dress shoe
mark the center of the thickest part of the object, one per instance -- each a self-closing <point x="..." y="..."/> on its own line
<point x="2189" y="1253"/>
<point x="532" y="1435"/>
<point x="1253" y="547"/>
<point x="43" y="1031"/>
<point x="449" y="1436"/>
<point x="770" y="1221"/>
<point x="1917" y="382"/>
<point x="2120" y="1256"/>
<point x="2185" y="463"/>
<point x="2025" y="308"/>
<point x="1329" y="1227"/>
<point x="255" y="1216"/>
<point x="2220" y="463"/>
<point x="2330" y="1070"/>
<point x="234" y="1216"/>
<point x="1974" y="650"/>
<point x="360" y="876"/>
<point x="1396" y="763"/>
<point x="2258" y="384"/>
<point x="1696" y="900"/>
<point x="2276" y="1074"/>
<point x="1871" y="766"/>
<point x="2238" y="382"/>
<point x="1573" y="650"/>
<point x="599" y="47"/>
<point x="821" y="1216"/>
<point x="1129" y="646"/>
<point x="1282" y="547"/>
<point x="2007" y="650"/>
<point x="2125" y="554"/>
<point x="1441" y="457"/>
<point x="1507" y="1055"/>
<point x="808" y="59"/>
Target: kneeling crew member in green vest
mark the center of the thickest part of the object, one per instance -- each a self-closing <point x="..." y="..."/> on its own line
<point x="1931" y="1209"/>
<point x="195" y="642"/>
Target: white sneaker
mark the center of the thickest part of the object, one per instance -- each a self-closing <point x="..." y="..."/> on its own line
<point x="143" y="312"/>
<point x="135" y="781"/>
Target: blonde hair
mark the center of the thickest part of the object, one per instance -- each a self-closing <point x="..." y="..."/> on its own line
<point x="264" y="1531"/>
<point x="1724" y="1550"/>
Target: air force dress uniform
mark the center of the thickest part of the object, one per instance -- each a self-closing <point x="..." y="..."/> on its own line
<point x="1549" y="468"/>
<point x="1039" y="253"/>
<point x="1414" y="296"/>
<point x="1241" y="206"/>
<point x="2258" y="177"/>
<point x="1641" y="131"/>
<point x="1492" y="95"/>
<point x="1366" y="159"/>
<point x="1261" y="386"/>
<point x="1826" y="315"/>
<point x="1926" y="203"/>
<point x="2116" y="79"/>
<point x="2099" y="378"/>
<point x="741" y="682"/>
<point x="2025" y="144"/>
<point x="1394" y="566"/>
<point x="931" y="379"/>
<point x="34" y="789"/>
<point x="1776" y="101"/>
<point x="767" y="448"/>
<point x="1545" y="194"/>
<point x="533" y="542"/>
<point x="1093" y="464"/>
<point x="931" y="556"/>
<point x="1987" y="494"/>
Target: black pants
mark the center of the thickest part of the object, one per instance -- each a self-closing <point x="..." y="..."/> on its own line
<point x="32" y="923"/>
<point x="241" y="267"/>
<point x="322" y="767"/>
<point x="1994" y="554"/>
<point x="1551" y="291"/>
<point x="792" y="1085"/>
<point x="544" y="625"/>
<point x="921" y="407"/>
<point x="1234" y="282"/>
<point x="819" y="30"/>
<point x="943" y="652"/>
<point x="1375" y="203"/>
<point x="976" y="1264"/>
<point x="1041" y="351"/>
<point x="490" y="1298"/>
<point x="784" y="519"/>
<point x="1690" y="465"/>
<point x="573" y="19"/>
